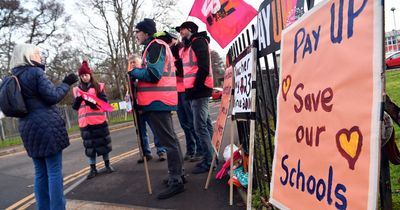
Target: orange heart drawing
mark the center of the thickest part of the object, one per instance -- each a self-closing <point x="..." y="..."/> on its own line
<point x="349" y="144"/>
<point x="286" y="86"/>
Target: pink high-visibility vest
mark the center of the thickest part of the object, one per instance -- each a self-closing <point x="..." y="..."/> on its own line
<point x="165" y="89"/>
<point x="86" y="115"/>
<point x="190" y="68"/>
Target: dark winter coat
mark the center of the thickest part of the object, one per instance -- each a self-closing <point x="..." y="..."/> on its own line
<point x="96" y="138"/>
<point x="43" y="129"/>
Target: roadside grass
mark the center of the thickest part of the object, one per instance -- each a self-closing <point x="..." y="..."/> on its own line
<point x="8" y="142"/>
<point x="393" y="91"/>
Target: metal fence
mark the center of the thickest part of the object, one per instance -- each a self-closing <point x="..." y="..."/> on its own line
<point x="9" y="125"/>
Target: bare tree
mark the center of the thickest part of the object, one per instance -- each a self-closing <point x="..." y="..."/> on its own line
<point x="45" y="20"/>
<point x="114" y="36"/>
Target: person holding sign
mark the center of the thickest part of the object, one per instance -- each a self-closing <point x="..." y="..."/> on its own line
<point x="198" y="82"/>
<point x="92" y="120"/>
<point x="157" y="97"/>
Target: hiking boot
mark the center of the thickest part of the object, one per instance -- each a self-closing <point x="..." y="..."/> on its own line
<point x="162" y="156"/>
<point x="92" y="172"/>
<point x="148" y="157"/>
<point x="172" y="189"/>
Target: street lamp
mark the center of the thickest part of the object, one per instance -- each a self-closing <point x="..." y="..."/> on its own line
<point x="394" y="19"/>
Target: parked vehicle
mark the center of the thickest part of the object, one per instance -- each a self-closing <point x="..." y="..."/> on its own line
<point x="393" y="60"/>
<point x="216" y="94"/>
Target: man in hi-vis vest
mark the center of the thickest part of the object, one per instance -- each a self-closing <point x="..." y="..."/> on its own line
<point x="157" y="97"/>
<point x="198" y="82"/>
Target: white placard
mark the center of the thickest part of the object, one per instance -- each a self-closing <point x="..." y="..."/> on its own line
<point x="242" y="95"/>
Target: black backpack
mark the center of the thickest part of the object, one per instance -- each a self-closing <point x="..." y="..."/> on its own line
<point x="12" y="103"/>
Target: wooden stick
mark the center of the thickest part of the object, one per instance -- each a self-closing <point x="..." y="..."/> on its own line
<point x="135" y="114"/>
<point x="231" y="167"/>
<point x="252" y="132"/>
<point x="210" y="171"/>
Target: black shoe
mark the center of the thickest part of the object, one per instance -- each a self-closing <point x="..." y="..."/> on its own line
<point x="109" y="169"/>
<point x="196" y="158"/>
<point x="148" y="157"/>
<point x="92" y="174"/>
<point x="187" y="157"/>
<point x="200" y="168"/>
<point x="171" y="190"/>
<point x="166" y="180"/>
<point x="161" y="156"/>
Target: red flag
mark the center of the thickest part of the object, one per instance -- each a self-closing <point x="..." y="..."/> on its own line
<point x="225" y="19"/>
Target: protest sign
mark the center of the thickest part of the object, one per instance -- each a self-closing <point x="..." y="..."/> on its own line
<point x="327" y="141"/>
<point x="243" y="76"/>
<point x="223" y="110"/>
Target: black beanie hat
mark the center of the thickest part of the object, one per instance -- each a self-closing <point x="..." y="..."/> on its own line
<point x="147" y="26"/>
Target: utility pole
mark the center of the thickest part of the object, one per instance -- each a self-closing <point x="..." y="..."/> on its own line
<point x="394" y="19"/>
<point x="395" y="37"/>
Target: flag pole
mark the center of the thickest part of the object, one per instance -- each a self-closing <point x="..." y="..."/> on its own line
<point x="136" y="121"/>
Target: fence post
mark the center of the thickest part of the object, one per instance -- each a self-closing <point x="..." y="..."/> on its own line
<point x="67" y="116"/>
<point x="2" y="135"/>
<point x="384" y="185"/>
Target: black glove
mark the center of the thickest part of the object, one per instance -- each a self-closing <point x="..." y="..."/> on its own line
<point x="70" y="79"/>
<point x="77" y="102"/>
<point x="91" y="105"/>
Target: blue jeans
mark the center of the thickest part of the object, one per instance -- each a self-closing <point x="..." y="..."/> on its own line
<point x="203" y="126"/>
<point x="185" y="116"/>
<point x="145" y="138"/>
<point x="48" y="185"/>
<point x="92" y="160"/>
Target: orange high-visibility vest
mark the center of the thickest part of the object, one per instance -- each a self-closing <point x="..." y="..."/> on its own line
<point x="165" y="89"/>
<point x="86" y="115"/>
<point x="190" y="68"/>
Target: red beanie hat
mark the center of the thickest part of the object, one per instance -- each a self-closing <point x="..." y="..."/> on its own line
<point x="84" y="69"/>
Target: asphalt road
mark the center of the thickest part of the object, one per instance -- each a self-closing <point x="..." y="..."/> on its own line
<point x="17" y="173"/>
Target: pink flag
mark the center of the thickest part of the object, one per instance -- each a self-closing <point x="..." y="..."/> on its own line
<point x="225" y="19"/>
<point x="105" y="107"/>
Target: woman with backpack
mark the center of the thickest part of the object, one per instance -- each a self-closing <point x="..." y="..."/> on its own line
<point x="92" y="120"/>
<point x="43" y="128"/>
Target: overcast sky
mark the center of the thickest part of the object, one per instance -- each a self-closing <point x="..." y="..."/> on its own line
<point x="184" y="7"/>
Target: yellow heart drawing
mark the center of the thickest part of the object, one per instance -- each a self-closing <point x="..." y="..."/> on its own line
<point x="349" y="144"/>
<point x="286" y="86"/>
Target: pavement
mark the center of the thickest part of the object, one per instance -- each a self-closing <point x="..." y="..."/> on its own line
<point x="127" y="187"/>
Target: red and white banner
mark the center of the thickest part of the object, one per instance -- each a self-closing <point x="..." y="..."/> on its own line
<point x="94" y="99"/>
<point x="225" y="19"/>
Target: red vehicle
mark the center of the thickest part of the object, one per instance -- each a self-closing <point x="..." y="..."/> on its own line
<point x="216" y="94"/>
<point x="393" y="60"/>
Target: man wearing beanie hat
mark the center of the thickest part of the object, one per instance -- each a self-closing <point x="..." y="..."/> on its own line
<point x="157" y="97"/>
<point x="198" y="81"/>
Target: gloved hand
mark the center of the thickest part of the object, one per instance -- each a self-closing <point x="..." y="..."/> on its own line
<point x="70" y="79"/>
<point x="91" y="105"/>
<point x="79" y="99"/>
